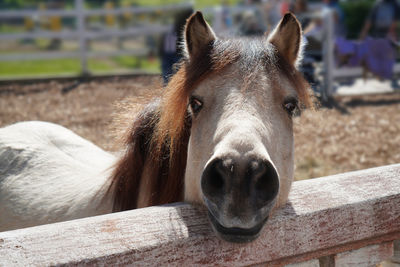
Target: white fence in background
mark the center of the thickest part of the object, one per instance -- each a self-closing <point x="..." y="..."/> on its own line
<point x="82" y="34"/>
<point x="350" y="219"/>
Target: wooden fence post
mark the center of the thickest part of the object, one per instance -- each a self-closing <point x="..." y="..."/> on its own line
<point x="328" y="55"/>
<point x="396" y="252"/>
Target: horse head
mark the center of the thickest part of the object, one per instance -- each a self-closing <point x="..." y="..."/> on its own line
<point x="223" y="128"/>
<point x="240" y="155"/>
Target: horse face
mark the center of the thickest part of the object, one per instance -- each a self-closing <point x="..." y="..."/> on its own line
<point x="240" y="153"/>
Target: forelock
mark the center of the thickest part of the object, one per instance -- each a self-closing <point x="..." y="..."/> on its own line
<point x="250" y="53"/>
<point x="256" y="55"/>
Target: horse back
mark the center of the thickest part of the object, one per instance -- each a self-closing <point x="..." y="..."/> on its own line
<point x="49" y="174"/>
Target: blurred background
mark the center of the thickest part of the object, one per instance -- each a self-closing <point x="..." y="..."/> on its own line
<point x="69" y="37"/>
<point x="86" y="37"/>
<point x="70" y="61"/>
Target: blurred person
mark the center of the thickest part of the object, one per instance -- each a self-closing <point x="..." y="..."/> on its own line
<point x="338" y="16"/>
<point x="222" y="22"/>
<point x="272" y="9"/>
<point x="381" y="21"/>
<point x="381" y="26"/>
<point x="285" y="6"/>
<point x="226" y="16"/>
<point x="55" y="23"/>
<point x="170" y="48"/>
<point x="315" y="30"/>
<point x="300" y="9"/>
<point x="251" y="21"/>
<point x="316" y="27"/>
<point x="250" y="24"/>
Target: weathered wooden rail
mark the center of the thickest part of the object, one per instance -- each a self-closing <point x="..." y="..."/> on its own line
<point x="351" y="219"/>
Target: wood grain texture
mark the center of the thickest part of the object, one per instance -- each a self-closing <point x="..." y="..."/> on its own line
<point x="324" y="216"/>
<point x="396" y="252"/>
<point x="365" y="257"/>
<point x="310" y="263"/>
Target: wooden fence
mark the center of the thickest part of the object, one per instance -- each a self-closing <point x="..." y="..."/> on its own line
<point x="351" y="219"/>
<point x="82" y="33"/>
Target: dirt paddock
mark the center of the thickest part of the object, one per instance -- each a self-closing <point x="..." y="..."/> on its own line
<point x="363" y="132"/>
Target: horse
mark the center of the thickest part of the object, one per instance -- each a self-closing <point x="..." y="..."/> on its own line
<point x="220" y="136"/>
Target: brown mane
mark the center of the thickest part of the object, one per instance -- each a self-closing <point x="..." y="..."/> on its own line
<point x="159" y="138"/>
<point x="160" y="134"/>
<point x="162" y="174"/>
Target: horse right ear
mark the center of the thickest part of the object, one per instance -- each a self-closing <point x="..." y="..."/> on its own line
<point x="198" y="35"/>
<point x="287" y="39"/>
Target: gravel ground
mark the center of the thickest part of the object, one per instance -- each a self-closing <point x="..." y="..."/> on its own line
<point x="362" y="132"/>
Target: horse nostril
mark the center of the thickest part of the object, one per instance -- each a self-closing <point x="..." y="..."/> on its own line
<point x="265" y="181"/>
<point x="213" y="180"/>
<point x="216" y="181"/>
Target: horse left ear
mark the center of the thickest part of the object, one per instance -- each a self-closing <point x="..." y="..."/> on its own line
<point x="287" y="38"/>
<point x="198" y="34"/>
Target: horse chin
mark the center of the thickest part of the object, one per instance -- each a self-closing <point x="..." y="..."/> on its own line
<point x="235" y="234"/>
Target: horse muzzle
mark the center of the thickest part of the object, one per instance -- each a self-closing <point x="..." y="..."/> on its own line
<point x="239" y="196"/>
<point x="236" y="234"/>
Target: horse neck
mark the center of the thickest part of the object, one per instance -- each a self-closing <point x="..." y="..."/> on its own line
<point x="143" y="177"/>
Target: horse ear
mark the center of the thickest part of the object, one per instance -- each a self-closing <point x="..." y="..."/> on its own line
<point x="287" y="39"/>
<point x="198" y="34"/>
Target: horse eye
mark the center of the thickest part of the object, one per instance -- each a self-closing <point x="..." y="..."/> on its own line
<point x="195" y="105"/>
<point x="291" y="105"/>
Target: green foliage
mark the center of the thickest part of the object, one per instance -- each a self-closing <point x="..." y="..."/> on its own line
<point x="67" y="66"/>
<point x="39" y="67"/>
<point x="356" y="12"/>
<point x="71" y="66"/>
<point x="16" y="4"/>
<point x="4" y="28"/>
<point x="131" y="62"/>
